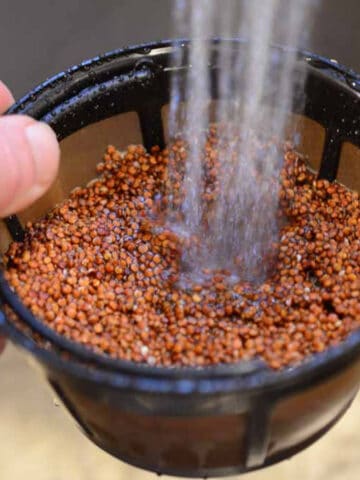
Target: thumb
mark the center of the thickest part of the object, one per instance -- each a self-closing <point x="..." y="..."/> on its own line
<point x="29" y="158"/>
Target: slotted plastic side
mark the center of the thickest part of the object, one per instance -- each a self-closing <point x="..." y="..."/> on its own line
<point x="15" y="228"/>
<point x="258" y="433"/>
<point x="151" y="126"/>
<point x="331" y="101"/>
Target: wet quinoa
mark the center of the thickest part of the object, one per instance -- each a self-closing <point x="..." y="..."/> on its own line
<point x="103" y="270"/>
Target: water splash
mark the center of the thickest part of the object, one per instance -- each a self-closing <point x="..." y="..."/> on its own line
<point x="244" y="225"/>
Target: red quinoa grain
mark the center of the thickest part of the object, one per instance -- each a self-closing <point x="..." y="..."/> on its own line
<point x="102" y="270"/>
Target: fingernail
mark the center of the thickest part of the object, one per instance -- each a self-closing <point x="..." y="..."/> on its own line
<point x="43" y="144"/>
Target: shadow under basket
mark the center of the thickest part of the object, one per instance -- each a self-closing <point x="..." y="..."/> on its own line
<point x="190" y="422"/>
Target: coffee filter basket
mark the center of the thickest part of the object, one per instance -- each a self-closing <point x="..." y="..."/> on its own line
<point x="191" y="422"/>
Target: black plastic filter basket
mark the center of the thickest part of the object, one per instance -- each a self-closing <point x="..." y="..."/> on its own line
<point x="192" y="422"/>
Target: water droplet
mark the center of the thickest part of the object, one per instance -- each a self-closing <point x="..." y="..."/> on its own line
<point x="317" y="62"/>
<point x="144" y="50"/>
<point x="143" y="64"/>
<point x="85" y="65"/>
<point x="353" y="83"/>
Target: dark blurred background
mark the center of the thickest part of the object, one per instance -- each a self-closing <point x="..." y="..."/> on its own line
<point x="41" y="37"/>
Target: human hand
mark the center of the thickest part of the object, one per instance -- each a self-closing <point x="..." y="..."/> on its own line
<point x="29" y="159"/>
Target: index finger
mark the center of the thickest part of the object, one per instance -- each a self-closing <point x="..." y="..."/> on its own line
<point x="6" y="98"/>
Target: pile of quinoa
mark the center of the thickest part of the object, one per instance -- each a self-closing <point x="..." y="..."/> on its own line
<point x="103" y="269"/>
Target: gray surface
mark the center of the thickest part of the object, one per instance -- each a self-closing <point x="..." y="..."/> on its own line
<point x="41" y="37"/>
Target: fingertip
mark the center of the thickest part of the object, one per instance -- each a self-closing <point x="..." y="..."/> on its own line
<point x="45" y="151"/>
<point x="29" y="160"/>
<point x="17" y="121"/>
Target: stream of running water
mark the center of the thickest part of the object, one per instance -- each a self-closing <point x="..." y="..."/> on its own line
<point x="244" y="223"/>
